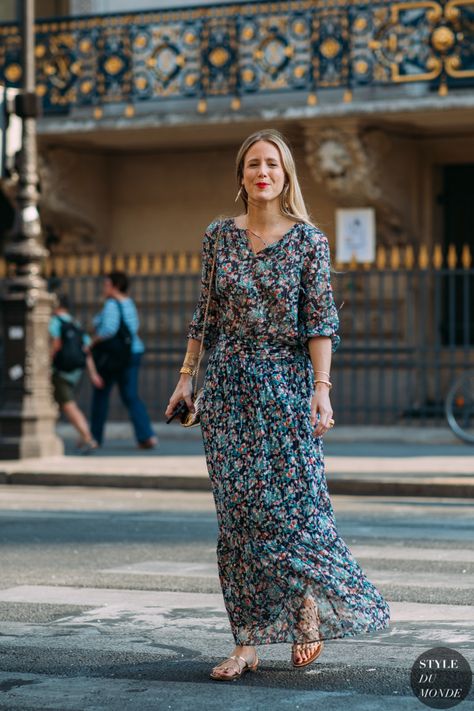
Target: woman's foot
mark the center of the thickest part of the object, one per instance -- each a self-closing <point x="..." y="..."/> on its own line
<point x="86" y="447"/>
<point x="149" y="443"/>
<point x="303" y="654"/>
<point x="242" y="659"/>
<point x="309" y="623"/>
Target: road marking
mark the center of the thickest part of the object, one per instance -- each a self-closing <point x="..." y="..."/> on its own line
<point x="195" y="465"/>
<point x="129" y="599"/>
<point x="187" y="569"/>
<point x="183" y="569"/>
<point x="133" y="600"/>
<point x="456" y="555"/>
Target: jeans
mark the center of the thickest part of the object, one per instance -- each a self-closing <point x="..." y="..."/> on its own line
<point x="127" y="382"/>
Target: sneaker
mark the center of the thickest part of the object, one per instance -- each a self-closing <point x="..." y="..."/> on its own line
<point x="87" y="447"/>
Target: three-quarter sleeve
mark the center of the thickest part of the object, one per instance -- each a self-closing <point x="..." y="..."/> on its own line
<point x="318" y="314"/>
<point x="195" y="327"/>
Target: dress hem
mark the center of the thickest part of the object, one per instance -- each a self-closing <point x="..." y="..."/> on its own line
<point x="292" y="640"/>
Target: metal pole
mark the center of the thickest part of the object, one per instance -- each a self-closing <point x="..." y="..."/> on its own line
<point x="25" y="252"/>
<point x="27" y="412"/>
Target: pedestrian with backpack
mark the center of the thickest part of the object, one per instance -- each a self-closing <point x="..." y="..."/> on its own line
<point x="70" y="356"/>
<point x="117" y="351"/>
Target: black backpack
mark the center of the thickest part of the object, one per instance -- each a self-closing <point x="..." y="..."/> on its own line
<point x="112" y="355"/>
<point x="71" y="355"/>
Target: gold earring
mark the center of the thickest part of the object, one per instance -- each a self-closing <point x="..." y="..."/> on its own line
<point x="239" y="193"/>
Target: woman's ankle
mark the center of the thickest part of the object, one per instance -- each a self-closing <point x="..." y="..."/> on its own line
<point x="245" y="650"/>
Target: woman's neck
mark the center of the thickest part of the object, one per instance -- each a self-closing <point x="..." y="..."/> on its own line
<point x="264" y="218"/>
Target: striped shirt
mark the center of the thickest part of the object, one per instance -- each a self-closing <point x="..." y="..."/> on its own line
<point x="106" y="323"/>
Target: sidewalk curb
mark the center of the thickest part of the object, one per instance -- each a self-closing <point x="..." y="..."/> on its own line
<point x="394" y="434"/>
<point x="122" y="481"/>
<point x="352" y="486"/>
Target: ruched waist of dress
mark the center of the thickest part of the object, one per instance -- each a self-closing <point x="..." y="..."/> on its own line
<point x="258" y="347"/>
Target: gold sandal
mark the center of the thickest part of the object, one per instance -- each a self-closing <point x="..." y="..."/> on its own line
<point x="317" y="651"/>
<point x="231" y="677"/>
<point x="309" y="624"/>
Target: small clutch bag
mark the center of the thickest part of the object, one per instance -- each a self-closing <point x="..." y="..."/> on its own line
<point x="193" y="419"/>
<point x="186" y="417"/>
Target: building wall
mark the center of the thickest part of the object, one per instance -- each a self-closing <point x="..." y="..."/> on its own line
<point x="75" y="198"/>
<point x="8" y="10"/>
<point x="161" y="200"/>
<point x="164" y="201"/>
<point x="43" y="8"/>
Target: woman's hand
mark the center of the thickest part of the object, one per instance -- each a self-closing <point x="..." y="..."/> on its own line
<point x="97" y="380"/>
<point x="321" y="405"/>
<point x="183" y="391"/>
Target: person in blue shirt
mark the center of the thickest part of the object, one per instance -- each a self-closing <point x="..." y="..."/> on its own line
<point x="65" y="382"/>
<point x="106" y="324"/>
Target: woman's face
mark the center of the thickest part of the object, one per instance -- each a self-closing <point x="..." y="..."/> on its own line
<point x="263" y="173"/>
<point x="108" y="287"/>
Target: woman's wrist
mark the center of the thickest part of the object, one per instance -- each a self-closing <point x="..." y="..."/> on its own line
<point x="190" y="363"/>
<point x="320" y="385"/>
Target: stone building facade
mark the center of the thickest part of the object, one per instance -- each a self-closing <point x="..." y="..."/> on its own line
<point x="144" y="112"/>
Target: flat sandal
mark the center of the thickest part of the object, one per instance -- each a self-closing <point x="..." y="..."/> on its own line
<point x="317" y="651"/>
<point x="231" y="677"/>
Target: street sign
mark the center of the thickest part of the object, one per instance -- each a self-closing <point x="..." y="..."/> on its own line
<point x="355" y="234"/>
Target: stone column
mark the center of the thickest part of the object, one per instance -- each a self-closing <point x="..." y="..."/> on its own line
<point x="27" y="411"/>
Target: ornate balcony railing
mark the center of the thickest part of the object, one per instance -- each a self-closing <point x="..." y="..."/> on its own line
<point x="236" y="51"/>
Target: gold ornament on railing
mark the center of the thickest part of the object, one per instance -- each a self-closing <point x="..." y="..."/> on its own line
<point x="381" y="258"/>
<point x="393" y="258"/>
<point x="423" y="257"/>
<point x="452" y="257"/>
<point x="438" y="257"/>
<point x="409" y="257"/>
<point x="466" y="259"/>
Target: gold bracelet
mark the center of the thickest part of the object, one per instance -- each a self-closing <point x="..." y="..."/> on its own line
<point x="191" y="354"/>
<point x="190" y="362"/>
<point x="187" y="371"/>
<point x="326" y="382"/>
<point x="190" y="359"/>
<point x="323" y="372"/>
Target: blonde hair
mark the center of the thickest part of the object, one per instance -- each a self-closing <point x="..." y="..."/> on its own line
<point x="292" y="204"/>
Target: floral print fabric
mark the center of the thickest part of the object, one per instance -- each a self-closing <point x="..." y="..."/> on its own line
<point x="278" y="544"/>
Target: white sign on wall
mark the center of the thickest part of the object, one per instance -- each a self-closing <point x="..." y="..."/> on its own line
<point x="355" y="234"/>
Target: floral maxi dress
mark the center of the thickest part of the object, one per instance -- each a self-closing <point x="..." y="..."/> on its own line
<point x="278" y="544"/>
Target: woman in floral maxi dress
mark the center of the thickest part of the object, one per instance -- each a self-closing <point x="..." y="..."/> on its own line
<point x="286" y="574"/>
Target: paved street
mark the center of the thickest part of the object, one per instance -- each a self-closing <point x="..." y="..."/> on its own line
<point x="109" y="599"/>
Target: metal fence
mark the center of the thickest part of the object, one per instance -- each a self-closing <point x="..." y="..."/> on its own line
<point x="407" y="328"/>
<point x="407" y="333"/>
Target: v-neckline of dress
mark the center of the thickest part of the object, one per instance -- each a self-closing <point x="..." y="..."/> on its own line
<point x="249" y="246"/>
